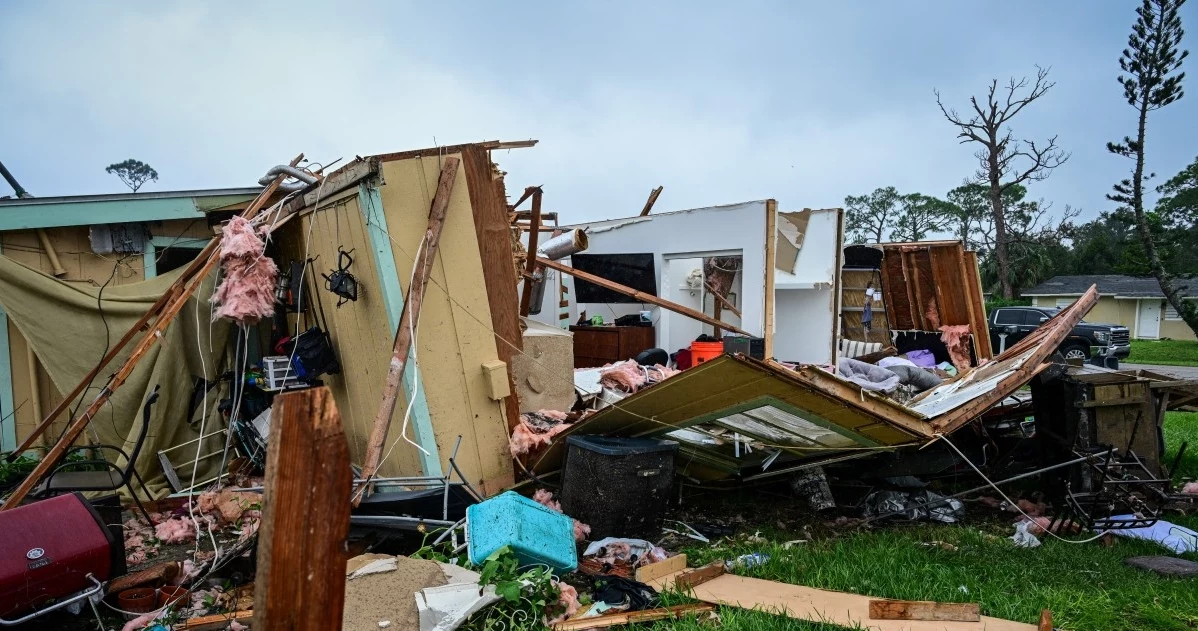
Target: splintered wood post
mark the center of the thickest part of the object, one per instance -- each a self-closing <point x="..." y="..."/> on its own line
<point x="652" y="200"/>
<point x="1045" y="621"/>
<point x="300" y="582"/>
<point x="640" y="296"/>
<point x="530" y="264"/>
<point x="178" y="293"/>
<point x="409" y="315"/>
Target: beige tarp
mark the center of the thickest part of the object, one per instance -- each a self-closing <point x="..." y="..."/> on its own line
<point x="63" y="323"/>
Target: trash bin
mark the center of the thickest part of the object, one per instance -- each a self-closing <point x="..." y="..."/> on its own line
<point x="618" y="486"/>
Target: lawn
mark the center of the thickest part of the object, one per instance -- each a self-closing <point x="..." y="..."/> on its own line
<point x="1086" y="586"/>
<point x="1165" y="352"/>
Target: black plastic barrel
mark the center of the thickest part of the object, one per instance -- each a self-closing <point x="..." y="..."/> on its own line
<point x="618" y="486"/>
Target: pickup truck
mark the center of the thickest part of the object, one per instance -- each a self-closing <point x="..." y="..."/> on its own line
<point x="1008" y="325"/>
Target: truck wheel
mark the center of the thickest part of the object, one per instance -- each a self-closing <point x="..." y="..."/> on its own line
<point x="1076" y="351"/>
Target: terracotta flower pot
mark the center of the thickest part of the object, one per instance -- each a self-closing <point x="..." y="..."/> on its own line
<point x="172" y="594"/>
<point x="137" y="600"/>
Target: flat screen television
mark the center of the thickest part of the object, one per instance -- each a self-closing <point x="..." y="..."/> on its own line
<point x="631" y="270"/>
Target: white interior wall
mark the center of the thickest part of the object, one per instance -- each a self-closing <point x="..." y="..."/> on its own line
<point x="737" y="229"/>
<point x="805" y="312"/>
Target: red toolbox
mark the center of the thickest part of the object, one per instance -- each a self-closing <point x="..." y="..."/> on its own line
<point x="51" y="550"/>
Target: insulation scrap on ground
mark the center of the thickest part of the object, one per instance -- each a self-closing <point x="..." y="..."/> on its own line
<point x="545" y="498"/>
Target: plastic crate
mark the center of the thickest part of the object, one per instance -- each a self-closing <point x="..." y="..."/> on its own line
<point x="537" y="535"/>
<point x="618" y="486"/>
<point x="278" y="372"/>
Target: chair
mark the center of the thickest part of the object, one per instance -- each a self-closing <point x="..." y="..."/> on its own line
<point x="111" y="477"/>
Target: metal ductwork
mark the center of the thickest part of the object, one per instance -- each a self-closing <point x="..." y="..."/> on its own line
<point x="305" y="179"/>
<point x="563" y="245"/>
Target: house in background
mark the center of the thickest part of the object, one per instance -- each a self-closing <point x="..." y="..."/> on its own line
<point x="1137" y="303"/>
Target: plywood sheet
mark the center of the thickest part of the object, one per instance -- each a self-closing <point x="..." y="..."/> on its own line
<point x="820" y="605"/>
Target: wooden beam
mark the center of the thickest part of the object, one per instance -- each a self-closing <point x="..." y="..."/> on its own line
<point x="530" y="262"/>
<point x="1111" y="402"/>
<point x="640" y="296"/>
<point x="771" y="253"/>
<point x="724" y="301"/>
<point x="652" y="200"/>
<point x="217" y="622"/>
<point x="923" y="610"/>
<point x="1045" y="623"/>
<point x="172" y="301"/>
<point x="688" y="580"/>
<point x="633" y="617"/>
<point x="491" y="228"/>
<point x="528" y="191"/>
<point x="410" y="315"/>
<point x="300" y="581"/>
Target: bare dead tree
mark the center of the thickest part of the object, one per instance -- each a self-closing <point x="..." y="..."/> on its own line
<point x="1005" y="161"/>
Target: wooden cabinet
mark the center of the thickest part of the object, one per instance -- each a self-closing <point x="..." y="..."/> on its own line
<point x="600" y="345"/>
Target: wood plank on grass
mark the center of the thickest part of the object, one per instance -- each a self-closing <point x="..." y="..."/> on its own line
<point x="923" y="610"/>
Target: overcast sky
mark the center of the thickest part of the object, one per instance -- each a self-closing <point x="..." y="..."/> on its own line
<point x="720" y="102"/>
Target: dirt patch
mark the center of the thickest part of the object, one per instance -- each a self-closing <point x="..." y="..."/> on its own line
<point x="389" y="595"/>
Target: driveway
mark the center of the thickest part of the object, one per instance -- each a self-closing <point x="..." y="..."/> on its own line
<point x="1177" y="372"/>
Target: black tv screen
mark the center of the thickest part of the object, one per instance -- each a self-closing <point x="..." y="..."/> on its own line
<point x="631" y="270"/>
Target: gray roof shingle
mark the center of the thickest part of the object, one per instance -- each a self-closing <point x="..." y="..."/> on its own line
<point x="1109" y="285"/>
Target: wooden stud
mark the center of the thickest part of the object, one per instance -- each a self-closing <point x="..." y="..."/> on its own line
<point x="300" y="581"/>
<point x="771" y="249"/>
<point x="652" y="200"/>
<point x="923" y="610"/>
<point x="633" y="617"/>
<point x="218" y="621"/>
<point x="1045" y="621"/>
<point x="530" y="262"/>
<point x="172" y="301"/>
<point x="693" y="578"/>
<point x="640" y="296"/>
<point x="487" y="202"/>
<point x="410" y="315"/>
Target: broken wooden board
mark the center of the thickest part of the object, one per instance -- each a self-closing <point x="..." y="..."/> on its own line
<point x="820" y="605"/>
<point x="657" y="570"/>
<point x="689" y="579"/>
<point x="218" y="621"/>
<point x="633" y="617"/>
<point x="883" y="609"/>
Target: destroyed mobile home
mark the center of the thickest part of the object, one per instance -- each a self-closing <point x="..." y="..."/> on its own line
<point x="394" y="346"/>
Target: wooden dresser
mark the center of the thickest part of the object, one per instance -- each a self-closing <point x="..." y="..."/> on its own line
<point x="599" y="345"/>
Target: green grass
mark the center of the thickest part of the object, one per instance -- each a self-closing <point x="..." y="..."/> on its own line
<point x="1182" y="427"/>
<point x="1164" y="352"/>
<point x="1086" y="586"/>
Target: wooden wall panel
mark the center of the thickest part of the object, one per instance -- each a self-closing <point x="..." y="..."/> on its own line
<point x="360" y="332"/>
<point x="455" y="336"/>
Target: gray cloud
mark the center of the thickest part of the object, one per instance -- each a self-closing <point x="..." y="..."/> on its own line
<point x="719" y="102"/>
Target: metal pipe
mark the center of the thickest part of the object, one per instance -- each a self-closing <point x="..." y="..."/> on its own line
<point x="52" y="254"/>
<point x="564" y="245"/>
<point x="35" y="389"/>
<point x="305" y="179"/>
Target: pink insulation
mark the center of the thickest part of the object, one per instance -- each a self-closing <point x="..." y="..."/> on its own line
<point x="1191" y="488"/>
<point x="175" y="531"/>
<point x="545" y="498"/>
<point x="956" y="338"/>
<point x="627" y="377"/>
<point x="568" y="600"/>
<point x="535" y="431"/>
<point x="246" y="294"/>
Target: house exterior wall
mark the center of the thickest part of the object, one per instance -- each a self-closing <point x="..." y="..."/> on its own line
<point x="32" y="392"/>
<point x="1112" y="310"/>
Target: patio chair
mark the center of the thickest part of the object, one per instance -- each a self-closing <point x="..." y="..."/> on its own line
<point x="111" y="477"/>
